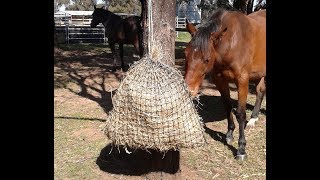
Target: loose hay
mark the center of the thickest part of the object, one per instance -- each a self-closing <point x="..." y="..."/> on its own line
<point x="153" y="110"/>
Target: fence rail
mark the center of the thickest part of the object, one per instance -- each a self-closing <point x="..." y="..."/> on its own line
<point x="78" y="27"/>
<point x="180" y="22"/>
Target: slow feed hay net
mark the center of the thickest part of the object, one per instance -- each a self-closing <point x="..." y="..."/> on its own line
<point x="153" y="109"/>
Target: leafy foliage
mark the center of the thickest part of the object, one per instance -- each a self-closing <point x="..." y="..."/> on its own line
<point x="62" y="2"/>
<point x="82" y="5"/>
<point x="59" y="3"/>
<point x="117" y="6"/>
<point x="125" y="6"/>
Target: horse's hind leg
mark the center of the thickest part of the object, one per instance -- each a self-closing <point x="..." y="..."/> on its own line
<point x="260" y="89"/>
<point x="223" y="87"/>
<point x="137" y="48"/>
<point x="121" y="55"/>
<point x="112" y="47"/>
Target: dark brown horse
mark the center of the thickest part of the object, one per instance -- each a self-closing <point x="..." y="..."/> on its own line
<point x="118" y="30"/>
<point x="232" y="47"/>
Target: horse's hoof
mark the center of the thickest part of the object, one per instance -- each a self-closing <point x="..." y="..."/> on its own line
<point x="229" y="140"/>
<point x="241" y="157"/>
<point x="251" y="122"/>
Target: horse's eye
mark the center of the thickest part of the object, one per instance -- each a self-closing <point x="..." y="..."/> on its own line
<point x="206" y="61"/>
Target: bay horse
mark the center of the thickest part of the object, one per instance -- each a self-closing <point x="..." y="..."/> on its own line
<point x="120" y="31"/>
<point x="231" y="46"/>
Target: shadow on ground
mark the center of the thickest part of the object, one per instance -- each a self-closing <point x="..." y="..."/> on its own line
<point x="93" y="73"/>
<point x="212" y="109"/>
<point x="221" y="137"/>
<point x="115" y="160"/>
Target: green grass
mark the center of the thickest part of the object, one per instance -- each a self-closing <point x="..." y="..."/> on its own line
<point x="183" y="37"/>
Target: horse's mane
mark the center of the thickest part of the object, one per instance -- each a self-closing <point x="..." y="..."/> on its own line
<point x="202" y="35"/>
<point x="110" y="20"/>
<point x="106" y="13"/>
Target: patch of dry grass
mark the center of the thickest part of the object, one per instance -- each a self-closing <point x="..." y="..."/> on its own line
<point x="217" y="160"/>
<point x="79" y="114"/>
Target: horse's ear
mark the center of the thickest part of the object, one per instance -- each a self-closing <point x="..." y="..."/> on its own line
<point x="216" y="36"/>
<point x="94" y="6"/>
<point x="190" y="28"/>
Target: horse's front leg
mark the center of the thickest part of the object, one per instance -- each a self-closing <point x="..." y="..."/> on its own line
<point x="261" y="90"/>
<point x="243" y="88"/>
<point x="121" y="55"/>
<point x="223" y="87"/>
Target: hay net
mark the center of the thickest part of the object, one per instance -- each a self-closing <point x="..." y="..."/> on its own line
<point x="153" y="109"/>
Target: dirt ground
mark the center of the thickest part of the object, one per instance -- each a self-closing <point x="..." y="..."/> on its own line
<point x="83" y="85"/>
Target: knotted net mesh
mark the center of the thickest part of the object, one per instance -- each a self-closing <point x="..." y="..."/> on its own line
<point x="153" y="109"/>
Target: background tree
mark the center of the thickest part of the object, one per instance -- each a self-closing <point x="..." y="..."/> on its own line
<point x="134" y="7"/>
<point x="82" y="5"/>
<point x="59" y="3"/>
<point x="209" y="6"/>
<point x="241" y="5"/>
<point x="125" y="6"/>
<point x="260" y="5"/>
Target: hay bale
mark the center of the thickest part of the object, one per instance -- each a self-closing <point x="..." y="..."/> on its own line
<point x="153" y="110"/>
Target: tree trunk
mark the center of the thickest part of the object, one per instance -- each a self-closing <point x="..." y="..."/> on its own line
<point x="162" y="48"/>
<point x="250" y="7"/>
<point x="161" y="33"/>
<point x="241" y="5"/>
<point x="144" y="25"/>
